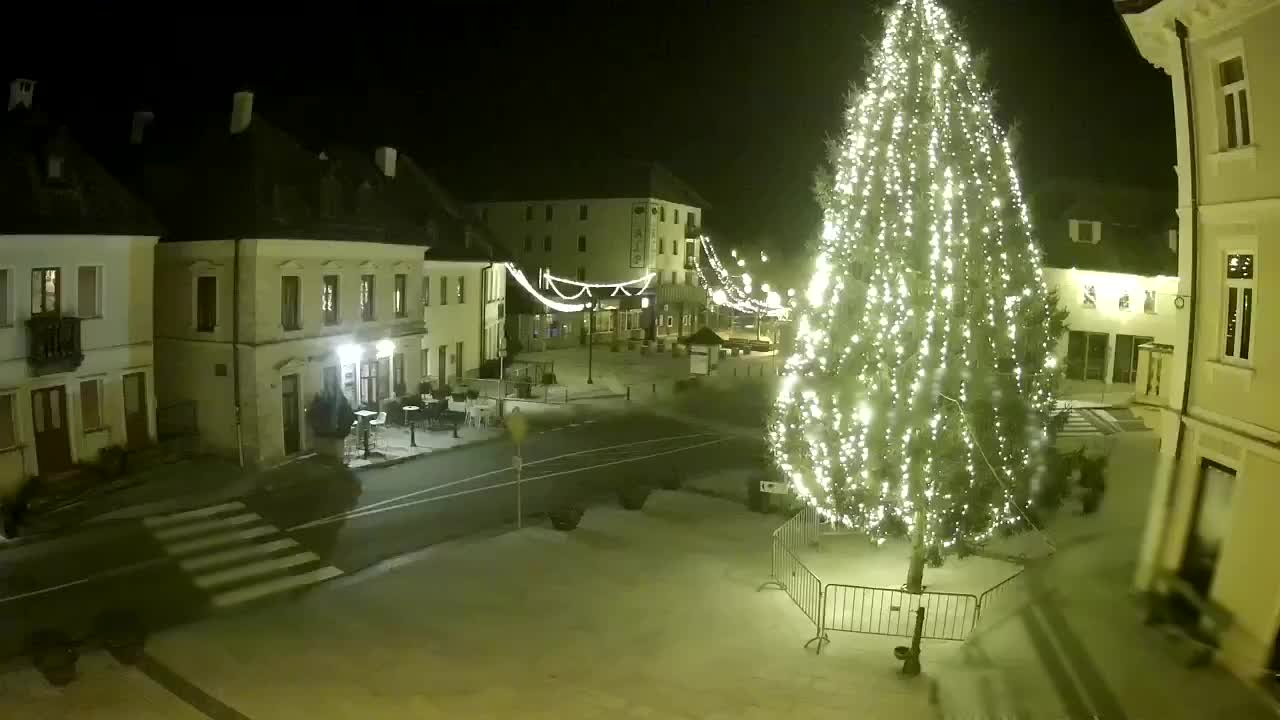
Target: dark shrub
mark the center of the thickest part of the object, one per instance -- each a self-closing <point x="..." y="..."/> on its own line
<point x="54" y="654"/>
<point x="330" y="416"/>
<point x="548" y="378"/>
<point x="442" y="392"/>
<point x="424" y="388"/>
<point x="615" y="346"/>
<point x="566" y="518"/>
<point x="633" y="493"/>
<point x="757" y="499"/>
<point x="524" y="388"/>
<point x="122" y="634"/>
<point x="490" y="369"/>
<point x="473" y="394"/>
<point x="459" y="395"/>
<point x="111" y="461"/>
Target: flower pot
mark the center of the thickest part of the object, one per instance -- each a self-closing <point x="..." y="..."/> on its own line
<point x="566" y="518"/>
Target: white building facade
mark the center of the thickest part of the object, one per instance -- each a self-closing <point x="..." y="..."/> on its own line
<point x="76" y="356"/>
<point x="463" y="309"/>
<point x="1212" y="516"/>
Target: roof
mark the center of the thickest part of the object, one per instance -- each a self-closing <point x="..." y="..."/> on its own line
<point x="593" y="178"/>
<point x="704" y="336"/>
<point x="84" y="199"/>
<point x="1131" y="7"/>
<point x="207" y="183"/>
<point x="1136" y="223"/>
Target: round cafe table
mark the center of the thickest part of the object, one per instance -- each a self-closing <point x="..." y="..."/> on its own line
<point x="410" y="420"/>
<point x="365" y="416"/>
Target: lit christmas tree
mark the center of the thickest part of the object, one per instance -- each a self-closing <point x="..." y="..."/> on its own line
<point x="919" y="396"/>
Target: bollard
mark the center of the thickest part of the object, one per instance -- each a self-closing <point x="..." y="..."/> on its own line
<point x="910" y="657"/>
<point x="628" y="393"/>
<point x="655" y="389"/>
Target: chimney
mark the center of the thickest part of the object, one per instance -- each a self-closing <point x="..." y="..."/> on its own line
<point x="141" y="119"/>
<point x="20" y="92"/>
<point x="385" y="157"/>
<point x="241" y="111"/>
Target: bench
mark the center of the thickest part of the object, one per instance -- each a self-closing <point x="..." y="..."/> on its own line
<point x="1171" y="604"/>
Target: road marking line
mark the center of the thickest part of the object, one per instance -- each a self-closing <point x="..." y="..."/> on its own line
<point x="208" y="543"/>
<point x="361" y="512"/>
<point x="225" y="556"/>
<point x="157" y="521"/>
<point x="262" y="567"/>
<point x="182" y="531"/>
<point x="277" y="585"/>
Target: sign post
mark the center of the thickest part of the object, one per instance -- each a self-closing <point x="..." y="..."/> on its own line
<point x="518" y="428"/>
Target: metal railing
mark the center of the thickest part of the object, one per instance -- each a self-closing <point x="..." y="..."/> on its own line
<point x="882" y="611"/>
<point x="1002" y="598"/>
<point x="789" y="574"/>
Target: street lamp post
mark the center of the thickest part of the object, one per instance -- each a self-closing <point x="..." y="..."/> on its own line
<point x="591" y="333"/>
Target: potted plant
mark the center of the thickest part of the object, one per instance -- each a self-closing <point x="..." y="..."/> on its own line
<point x="442" y="392"/>
<point x="633" y="494"/>
<point x="524" y="388"/>
<point x="662" y="344"/>
<point x="424" y="389"/>
<point x="111" y="461"/>
<point x="566" y="517"/>
<point x="459" y="394"/>
<point x="330" y="416"/>
<point x="473" y="394"/>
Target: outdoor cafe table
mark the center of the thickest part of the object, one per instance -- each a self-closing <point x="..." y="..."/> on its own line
<point x="365" y="416"/>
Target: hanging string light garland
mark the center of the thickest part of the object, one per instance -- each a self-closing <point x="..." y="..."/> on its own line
<point x="628" y="288"/>
<point x="735" y="291"/>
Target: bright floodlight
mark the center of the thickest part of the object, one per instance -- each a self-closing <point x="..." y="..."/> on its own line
<point x="719" y="296"/>
<point x="349" y="354"/>
<point x="385" y="347"/>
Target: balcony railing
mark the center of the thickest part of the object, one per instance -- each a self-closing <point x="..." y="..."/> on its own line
<point x="53" y="344"/>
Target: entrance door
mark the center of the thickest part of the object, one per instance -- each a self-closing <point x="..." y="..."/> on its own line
<point x="1086" y="355"/>
<point x="136" y="430"/>
<point x="49" y="422"/>
<point x="1125" y="365"/>
<point x="457" y="362"/>
<point x="1208" y="529"/>
<point x="442" y="364"/>
<point x="290" y="414"/>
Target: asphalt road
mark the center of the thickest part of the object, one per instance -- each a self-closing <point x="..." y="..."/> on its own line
<point x="322" y="522"/>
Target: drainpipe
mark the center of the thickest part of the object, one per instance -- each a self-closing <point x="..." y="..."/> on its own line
<point x="235" y="346"/>
<point x="1193" y="169"/>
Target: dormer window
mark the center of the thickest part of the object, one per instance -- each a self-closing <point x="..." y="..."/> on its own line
<point x="1086" y="231"/>
<point x="53" y="167"/>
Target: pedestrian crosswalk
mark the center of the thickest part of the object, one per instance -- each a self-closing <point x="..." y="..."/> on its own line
<point x="234" y="556"/>
<point x="1086" y="422"/>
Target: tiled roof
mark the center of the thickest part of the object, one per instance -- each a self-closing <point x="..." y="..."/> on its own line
<point x="1135" y="227"/>
<point x="588" y="179"/>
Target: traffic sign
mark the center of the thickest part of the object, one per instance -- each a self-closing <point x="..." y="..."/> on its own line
<point x="775" y="488"/>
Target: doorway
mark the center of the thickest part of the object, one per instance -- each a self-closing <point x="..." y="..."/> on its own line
<point x="457" y="362"/>
<point x="49" y="424"/>
<point x="1125" y="365"/>
<point x="442" y="364"/>
<point x="290" y="414"/>
<point x="1209" y="526"/>
<point x="1087" y="355"/>
<point x="136" y="430"/>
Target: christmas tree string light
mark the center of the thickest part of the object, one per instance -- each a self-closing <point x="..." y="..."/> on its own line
<point x="918" y="397"/>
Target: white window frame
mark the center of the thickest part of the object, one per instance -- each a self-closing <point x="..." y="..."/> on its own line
<point x="99" y="283"/>
<point x="10" y="299"/>
<point x="1223" y="54"/>
<point x="1095" y="227"/>
<point x="299" y="304"/>
<point x="195" y="301"/>
<point x="1241" y="285"/>
<point x="13" y="422"/>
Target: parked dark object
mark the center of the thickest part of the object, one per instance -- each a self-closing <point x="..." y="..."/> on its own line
<point x="672" y="480"/>
<point x="633" y="494"/>
<point x="757" y="499"/>
<point x="566" y="518"/>
<point x="111" y="461"/>
<point x="1092" y="483"/>
<point x="615" y="346"/>
<point x="548" y="378"/>
<point x="662" y="344"/>
<point x="631" y="344"/>
<point x="490" y="369"/>
<point x="459" y="395"/>
<point x="122" y="634"/>
<point x="54" y="654"/>
<point x="330" y="416"/>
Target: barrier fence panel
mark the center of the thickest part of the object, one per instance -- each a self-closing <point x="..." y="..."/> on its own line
<point x="1002" y="599"/>
<point x="881" y="611"/>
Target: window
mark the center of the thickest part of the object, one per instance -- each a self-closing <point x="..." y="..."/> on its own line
<point x="426" y="363"/>
<point x="675" y="247"/>
<point x="1235" y="97"/>
<point x="400" y="300"/>
<point x="6" y="314"/>
<point x="582" y="243"/>
<point x="46" y="290"/>
<point x="329" y="300"/>
<point x="397" y="374"/>
<point x="1086" y="231"/>
<point x="582" y="274"/>
<point x="662" y="213"/>
<point x="546" y="244"/>
<point x="89" y="291"/>
<point x="692" y="219"/>
<point x="675" y="216"/>
<point x="329" y="383"/>
<point x="549" y="213"/>
<point x="673" y="277"/>
<point x="582" y="212"/>
<point x="662" y="246"/>
<point x="528" y="213"/>
<point x="206" y="303"/>
<point x="290" y="313"/>
<point x="1149" y="302"/>
<point x="1089" y="297"/>
<point x="528" y="243"/>
<point x="461" y="290"/>
<point x="444" y="290"/>
<point x="90" y="405"/>
<point x="1123" y="304"/>
<point x="426" y="289"/>
<point x="367" y="310"/>
<point x="1238" y="325"/>
<point x="8" y="428"/>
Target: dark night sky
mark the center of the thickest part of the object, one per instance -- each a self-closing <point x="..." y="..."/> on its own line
<point x="736" y="97"/>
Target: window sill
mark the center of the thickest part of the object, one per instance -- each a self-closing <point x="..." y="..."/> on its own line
<point x="11" y="448"/>
<point x="1224" y="368"/>
<point x="91" y="431"/>
<point x="90" y="317"/>
<point x="1247" y="153"/>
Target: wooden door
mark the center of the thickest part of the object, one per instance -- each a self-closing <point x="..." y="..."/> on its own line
<point x="290" y="414"/>
<point x="49" y="424"/>
<point x="442" y="364"/>
<point x="136" y="427"/>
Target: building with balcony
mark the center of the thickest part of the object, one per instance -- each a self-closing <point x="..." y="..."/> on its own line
<point x="76" y="251"/>
<point x="600" y="222"/>
<point x="1211" y="524"/>
<point x="1110" y="252"/>
<point x="286" y="273"/>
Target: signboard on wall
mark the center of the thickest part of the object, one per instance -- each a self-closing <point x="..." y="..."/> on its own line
<point x="639" y="235"/>
<point x="653" y="235"/>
